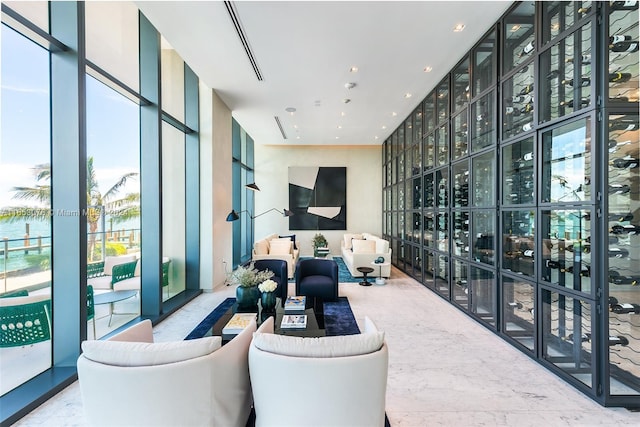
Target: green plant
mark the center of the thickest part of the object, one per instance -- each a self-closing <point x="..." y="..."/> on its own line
<point x="249" y="276"/>
<point x="319" y="241"/>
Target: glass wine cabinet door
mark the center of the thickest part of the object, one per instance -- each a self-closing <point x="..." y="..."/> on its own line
<point x="623" y="250"/>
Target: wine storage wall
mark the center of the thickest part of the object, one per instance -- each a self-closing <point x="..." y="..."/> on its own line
<point x="513" y="190"/>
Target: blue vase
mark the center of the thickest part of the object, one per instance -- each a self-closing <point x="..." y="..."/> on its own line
<point x="247" y="297"/>
<point x="268" y="301"/>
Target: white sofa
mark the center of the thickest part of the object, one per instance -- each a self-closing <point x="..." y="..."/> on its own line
<point x="276" y="247"/>
<point x="329" y="381"/>
<point x="129" y="380"/>
<point x="360" y="250"/>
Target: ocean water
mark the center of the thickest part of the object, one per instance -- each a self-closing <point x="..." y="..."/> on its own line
<point x="15" y="234"/>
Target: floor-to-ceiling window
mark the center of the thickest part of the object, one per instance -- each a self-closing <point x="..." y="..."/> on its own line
<point x="243" y="196"/>
<point x="71" y="166"/>
<point x="25" y="216"/>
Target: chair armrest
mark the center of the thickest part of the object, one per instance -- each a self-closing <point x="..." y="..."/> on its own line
<point x="123" y="271"/>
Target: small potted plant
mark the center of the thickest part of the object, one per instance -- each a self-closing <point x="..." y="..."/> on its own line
<point x="268" y="294"/>
<point x="248" y="278"/>
<point x="319" y="241"/>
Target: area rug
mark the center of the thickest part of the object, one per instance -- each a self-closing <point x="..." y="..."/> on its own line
<point x="338" y="320"/>
<point x="344" y="276"/>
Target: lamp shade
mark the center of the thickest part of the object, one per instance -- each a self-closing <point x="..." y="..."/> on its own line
<point x="252" y="186"/>
<point x="287" y="212"/>
<point x="233" y="215"/>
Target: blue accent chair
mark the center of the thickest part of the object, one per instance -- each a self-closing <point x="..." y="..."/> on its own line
<point x="279" y="269"/>
<point x="317" y="278"/>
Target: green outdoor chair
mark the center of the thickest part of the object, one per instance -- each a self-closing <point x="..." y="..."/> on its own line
<point x="165" y="275"/>
<point x="25" y="324"/>
<point x="91" y="310"/>
<point x="123" y="271"/>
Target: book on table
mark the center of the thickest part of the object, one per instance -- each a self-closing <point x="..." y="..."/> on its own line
<point x="295" y="304"/>
<point x="293" y="321"/>
<point x="238" y="322"/>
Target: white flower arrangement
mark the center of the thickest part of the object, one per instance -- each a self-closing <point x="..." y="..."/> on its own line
<point x="267" y="286"/>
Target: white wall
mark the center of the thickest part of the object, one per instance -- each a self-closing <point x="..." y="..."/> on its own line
<point x="216" y="240"/>
<point x="364" y="189"/>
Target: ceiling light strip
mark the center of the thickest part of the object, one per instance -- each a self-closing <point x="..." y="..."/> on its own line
<point x="284" y="135"/>
<point x="243" y="39"/>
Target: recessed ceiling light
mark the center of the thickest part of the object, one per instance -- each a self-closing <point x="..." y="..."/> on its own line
<point x="337" y="137"/>
<point x="515" y="28"/>
<point x="407" y="95"/>
<point x="295" y="126"/>
<point x="349" y="85"/>
<point x="458" y="28"/>
<point x="339" y="127"/>
<point x="343" y="114"/>
<point x="346" y="100"/>
<point x="353" y="69"/>
<point x="290" y="110"/>
<point x="384" y="127"/>
<point x="394" y="113"/>
<point x="298" y="137"/>
<point x="375" y="137"/>
<point x="428" y="69"/>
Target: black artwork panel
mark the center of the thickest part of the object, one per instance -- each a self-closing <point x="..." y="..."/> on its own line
<point x="330" y="190"/>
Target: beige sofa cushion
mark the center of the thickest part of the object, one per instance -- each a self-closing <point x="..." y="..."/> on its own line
<point x="261" y="247"/>
<point x="338" y="346"/>
<point x="382" y="246"/>
<point x="350" y="236"/>
<point x="364" y="246"/>
<point x="110" y="261"/>
<point x="123" y="353"/>
<point x="280" y="247"/>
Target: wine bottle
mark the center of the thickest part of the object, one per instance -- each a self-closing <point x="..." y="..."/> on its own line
<point x="625" y="229"/>
<point x="626" y="162"/>
<point x="619" y="99"/>
<point x="619" y="38"/>
<point x="624" y="46"/>
<point x="583" y="337"/>
<point x="620" y="217"/>
<point x="624" y="123"/>
<point x="585" y="270"/>
<point x="553" y="74"/>
<point x="584" y="81"/>
<point x="623" y="5"/>
<point x="623" y="280"/>
<point x="618" y="253"/>
<point x="583" y="102"/>
<point x="560" y="265"/>
<point x="527" y="126"/>
<point x="618" y="340"/>
<point x="619" y="188"/>
<point x="612" y="240"/>
<point x="625" y="308"/>
<point x="522" y="99"/>
<point x="584" y="10"/>
<point x="619" y="77"/>
<point x="527" y="49"/>
<point x="585" y="59"/>
<point x="527" y="89"/>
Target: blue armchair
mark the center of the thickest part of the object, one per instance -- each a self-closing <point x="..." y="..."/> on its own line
<point x="317" y="278"/>
<point x="279" y="269"/>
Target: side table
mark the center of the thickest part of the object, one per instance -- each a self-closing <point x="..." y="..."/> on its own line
<point x="365" y="271"/>
<point x="380" y="279"/>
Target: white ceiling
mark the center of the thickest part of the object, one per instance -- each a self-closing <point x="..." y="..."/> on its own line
<point x="304" y="51"/>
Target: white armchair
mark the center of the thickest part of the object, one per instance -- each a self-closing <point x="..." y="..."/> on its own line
<point x="129" y="380"/>
<point x="328" y="381"/>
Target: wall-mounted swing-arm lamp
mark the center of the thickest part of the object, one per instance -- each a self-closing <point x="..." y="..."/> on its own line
<point x="233" y="215"/>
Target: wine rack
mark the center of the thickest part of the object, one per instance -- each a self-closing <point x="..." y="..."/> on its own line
<point x="461" y="86"/>
<point x="484" y="64"/>
<point x="518" y="103"/>
<point x="559" y="16"/>
<point x="460" y="234"/>
<point x="623" y="218"/>
<point x="460" y="285"/>
<point x="442" y="146"/>
<point x="519" y="36"/>
<point x="566" y="76"/>
<point x="518" y="308"/>
<point x="483" y="130"/>
<point x="429" y="118"/>
<point x="566" y="248"/>
<point x="429" y="225"/>
<point x="518" y="246"/>
<point x="460" y="138"/>
<point x="460" y="184"/>
<point x="623" y="54"/>
<point x="518" y="183"/>
<point x="483" y="223"/>
<point x="428" y="151"/>
<point x="483" y="171"/>
<point x="442" y="231"/>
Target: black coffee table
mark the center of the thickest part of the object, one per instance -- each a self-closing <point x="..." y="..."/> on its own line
<point x="315" y="322"/>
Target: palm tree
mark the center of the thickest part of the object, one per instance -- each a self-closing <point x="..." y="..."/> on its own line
<point x="120" y="209"/>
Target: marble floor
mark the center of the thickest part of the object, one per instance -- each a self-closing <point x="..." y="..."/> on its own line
<point x="444" y="368"/>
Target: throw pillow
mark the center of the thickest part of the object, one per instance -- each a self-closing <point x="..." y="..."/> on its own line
<point x="123" y="353"/>
<point x="293" y="239"/>
<point x="382" y="246"/>
<point x="261" y="247"/>
<point x="364" y="246"/>
<point x="348" y="237"/>
<point x="338" y="346"/>
<point x="280" y="247"/>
